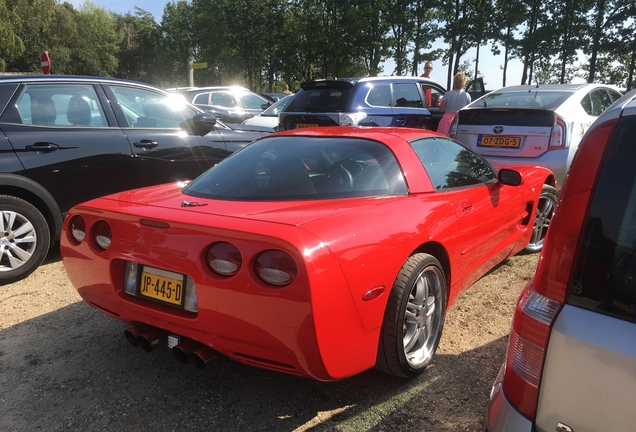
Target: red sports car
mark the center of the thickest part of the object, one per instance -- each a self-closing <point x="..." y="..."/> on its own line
<point x="316" y="252"/>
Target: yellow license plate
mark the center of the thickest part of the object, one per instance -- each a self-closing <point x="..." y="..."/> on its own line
<point x="498" y="141"/>
<point x="162" y="285"/>
<point x="305" y="125"/>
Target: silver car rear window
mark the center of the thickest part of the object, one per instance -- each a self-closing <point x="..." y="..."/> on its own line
<point x="532" y="98"/>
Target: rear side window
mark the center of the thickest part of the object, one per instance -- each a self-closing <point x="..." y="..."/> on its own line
<point x="451" y="165"/>
<point x="407" y="95"/>
<point x="147" y="109"/>
<point x="380" y="95"/>
<point x="604" y="278"/>
<point x="67" y="105"/>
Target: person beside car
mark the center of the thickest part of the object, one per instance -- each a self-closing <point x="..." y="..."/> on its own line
<point x="453" y="101"/>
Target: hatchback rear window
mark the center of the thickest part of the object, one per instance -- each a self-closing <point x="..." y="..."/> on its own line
<point x="323" y="99"/>
<point x="604" y="278"/>
<point x="532" y="98"/>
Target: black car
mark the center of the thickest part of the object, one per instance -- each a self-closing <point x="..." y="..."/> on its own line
<point x="68" y="139"/>
<point x="375" y="101"/>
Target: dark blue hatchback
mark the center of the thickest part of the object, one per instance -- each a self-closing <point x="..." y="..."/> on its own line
<point x="375" y="101"/>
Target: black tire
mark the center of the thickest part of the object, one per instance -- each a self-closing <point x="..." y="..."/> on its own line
<point x="543" y="216"/>
<point x="24" y="239"/>
<point x="408" y="341"/>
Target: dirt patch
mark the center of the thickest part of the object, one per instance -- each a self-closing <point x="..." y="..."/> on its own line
<point x="66" y="366"/>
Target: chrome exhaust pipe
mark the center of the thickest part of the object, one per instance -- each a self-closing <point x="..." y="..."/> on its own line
<point x="151" y="339"/>
<point x="133" y="333"/>
<point x="183" y="350"/>
<point x="202" y="356"/>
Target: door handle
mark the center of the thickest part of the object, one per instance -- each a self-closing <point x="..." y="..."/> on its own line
<point x="400" y="121"/>
<point x="42" y="147"/>
<point x="145" y="143"/>
<point x="466" y="207"/>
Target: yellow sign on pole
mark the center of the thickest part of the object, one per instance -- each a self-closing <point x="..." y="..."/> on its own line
<point x="201" y="65"/>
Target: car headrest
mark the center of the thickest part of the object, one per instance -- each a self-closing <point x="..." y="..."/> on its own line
<point x="78" y="113"/>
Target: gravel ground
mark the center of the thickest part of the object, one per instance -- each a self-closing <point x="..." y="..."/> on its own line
<point x="65" y="367"/>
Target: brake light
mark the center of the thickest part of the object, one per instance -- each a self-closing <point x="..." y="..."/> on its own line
<point x="102" y="234"/>
<point x="452" y="130"/>
<point x="275" y="268"/>
<point x="531" y="325"/>
<point x="558" y="138"/>
<point x="77" y="228"/>
<point x="351" y="119"/>
<point x="224" y="259"/>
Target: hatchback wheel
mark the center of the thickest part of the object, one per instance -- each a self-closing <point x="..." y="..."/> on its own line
<point x="24" y="239"/>
<point x="545" y="210"/>
<point x="414" y="317"/>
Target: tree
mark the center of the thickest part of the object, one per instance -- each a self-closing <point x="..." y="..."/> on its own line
<point x="140" y="49"/>
<point x="11" y="45"/>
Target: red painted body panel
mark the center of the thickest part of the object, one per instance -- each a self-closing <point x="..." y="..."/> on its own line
<point x="319" y="326"/>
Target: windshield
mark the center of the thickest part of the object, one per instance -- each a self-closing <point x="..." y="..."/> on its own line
<point x="288" y="168"/>
<point x="275" y="109"/>
<point x="532" y="98"/>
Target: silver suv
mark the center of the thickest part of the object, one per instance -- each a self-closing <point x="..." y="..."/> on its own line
<point x="571" y="359"/>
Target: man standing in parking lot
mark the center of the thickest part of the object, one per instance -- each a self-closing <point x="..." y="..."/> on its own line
<point x="428" y="68"/>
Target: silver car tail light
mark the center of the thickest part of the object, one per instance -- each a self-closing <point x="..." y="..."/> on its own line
<point x="531" y="325"/>
<point x="558" y="138"/>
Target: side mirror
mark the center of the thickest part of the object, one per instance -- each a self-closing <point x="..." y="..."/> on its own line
<point x="266" y="105"/>
<point x="201" y="124"/>
<point x="510" y="177"/>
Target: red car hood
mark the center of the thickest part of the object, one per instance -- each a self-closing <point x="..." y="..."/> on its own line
<point x="296" y="213"/>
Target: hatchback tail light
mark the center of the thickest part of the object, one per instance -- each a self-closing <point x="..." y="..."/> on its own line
<point x="452" y="130"/>
<point x="558" y="138"/>
<point x="531" y="325"/>
<point x="351" y="119"/>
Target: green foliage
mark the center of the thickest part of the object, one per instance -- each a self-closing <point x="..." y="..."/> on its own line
<point x="262" y="44"/>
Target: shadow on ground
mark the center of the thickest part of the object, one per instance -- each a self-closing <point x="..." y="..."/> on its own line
<point x="72" y="369"/>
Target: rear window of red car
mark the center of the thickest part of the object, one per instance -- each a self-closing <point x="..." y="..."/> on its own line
<point x="289" y="168"/>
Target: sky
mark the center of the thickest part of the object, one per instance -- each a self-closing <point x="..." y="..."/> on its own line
<point x="490" y="66"/>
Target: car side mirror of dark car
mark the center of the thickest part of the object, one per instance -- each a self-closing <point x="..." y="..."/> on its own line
<point x="510" y="177"/>
<point x="201" y="124"/>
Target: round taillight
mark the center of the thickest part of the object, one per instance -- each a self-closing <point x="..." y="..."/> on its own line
<point x="275" y="268"/>
<point x="77" y="228"/>
<point x="102" y="234"/>
<point x="224" y="258"/>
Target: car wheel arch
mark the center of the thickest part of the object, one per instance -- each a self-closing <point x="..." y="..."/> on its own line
<point x="438" y="251"/>
<point x="35" y="194"/>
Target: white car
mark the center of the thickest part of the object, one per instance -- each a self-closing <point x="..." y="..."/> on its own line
<point x="269" y="117"/>
<point x="539" y="125"/>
